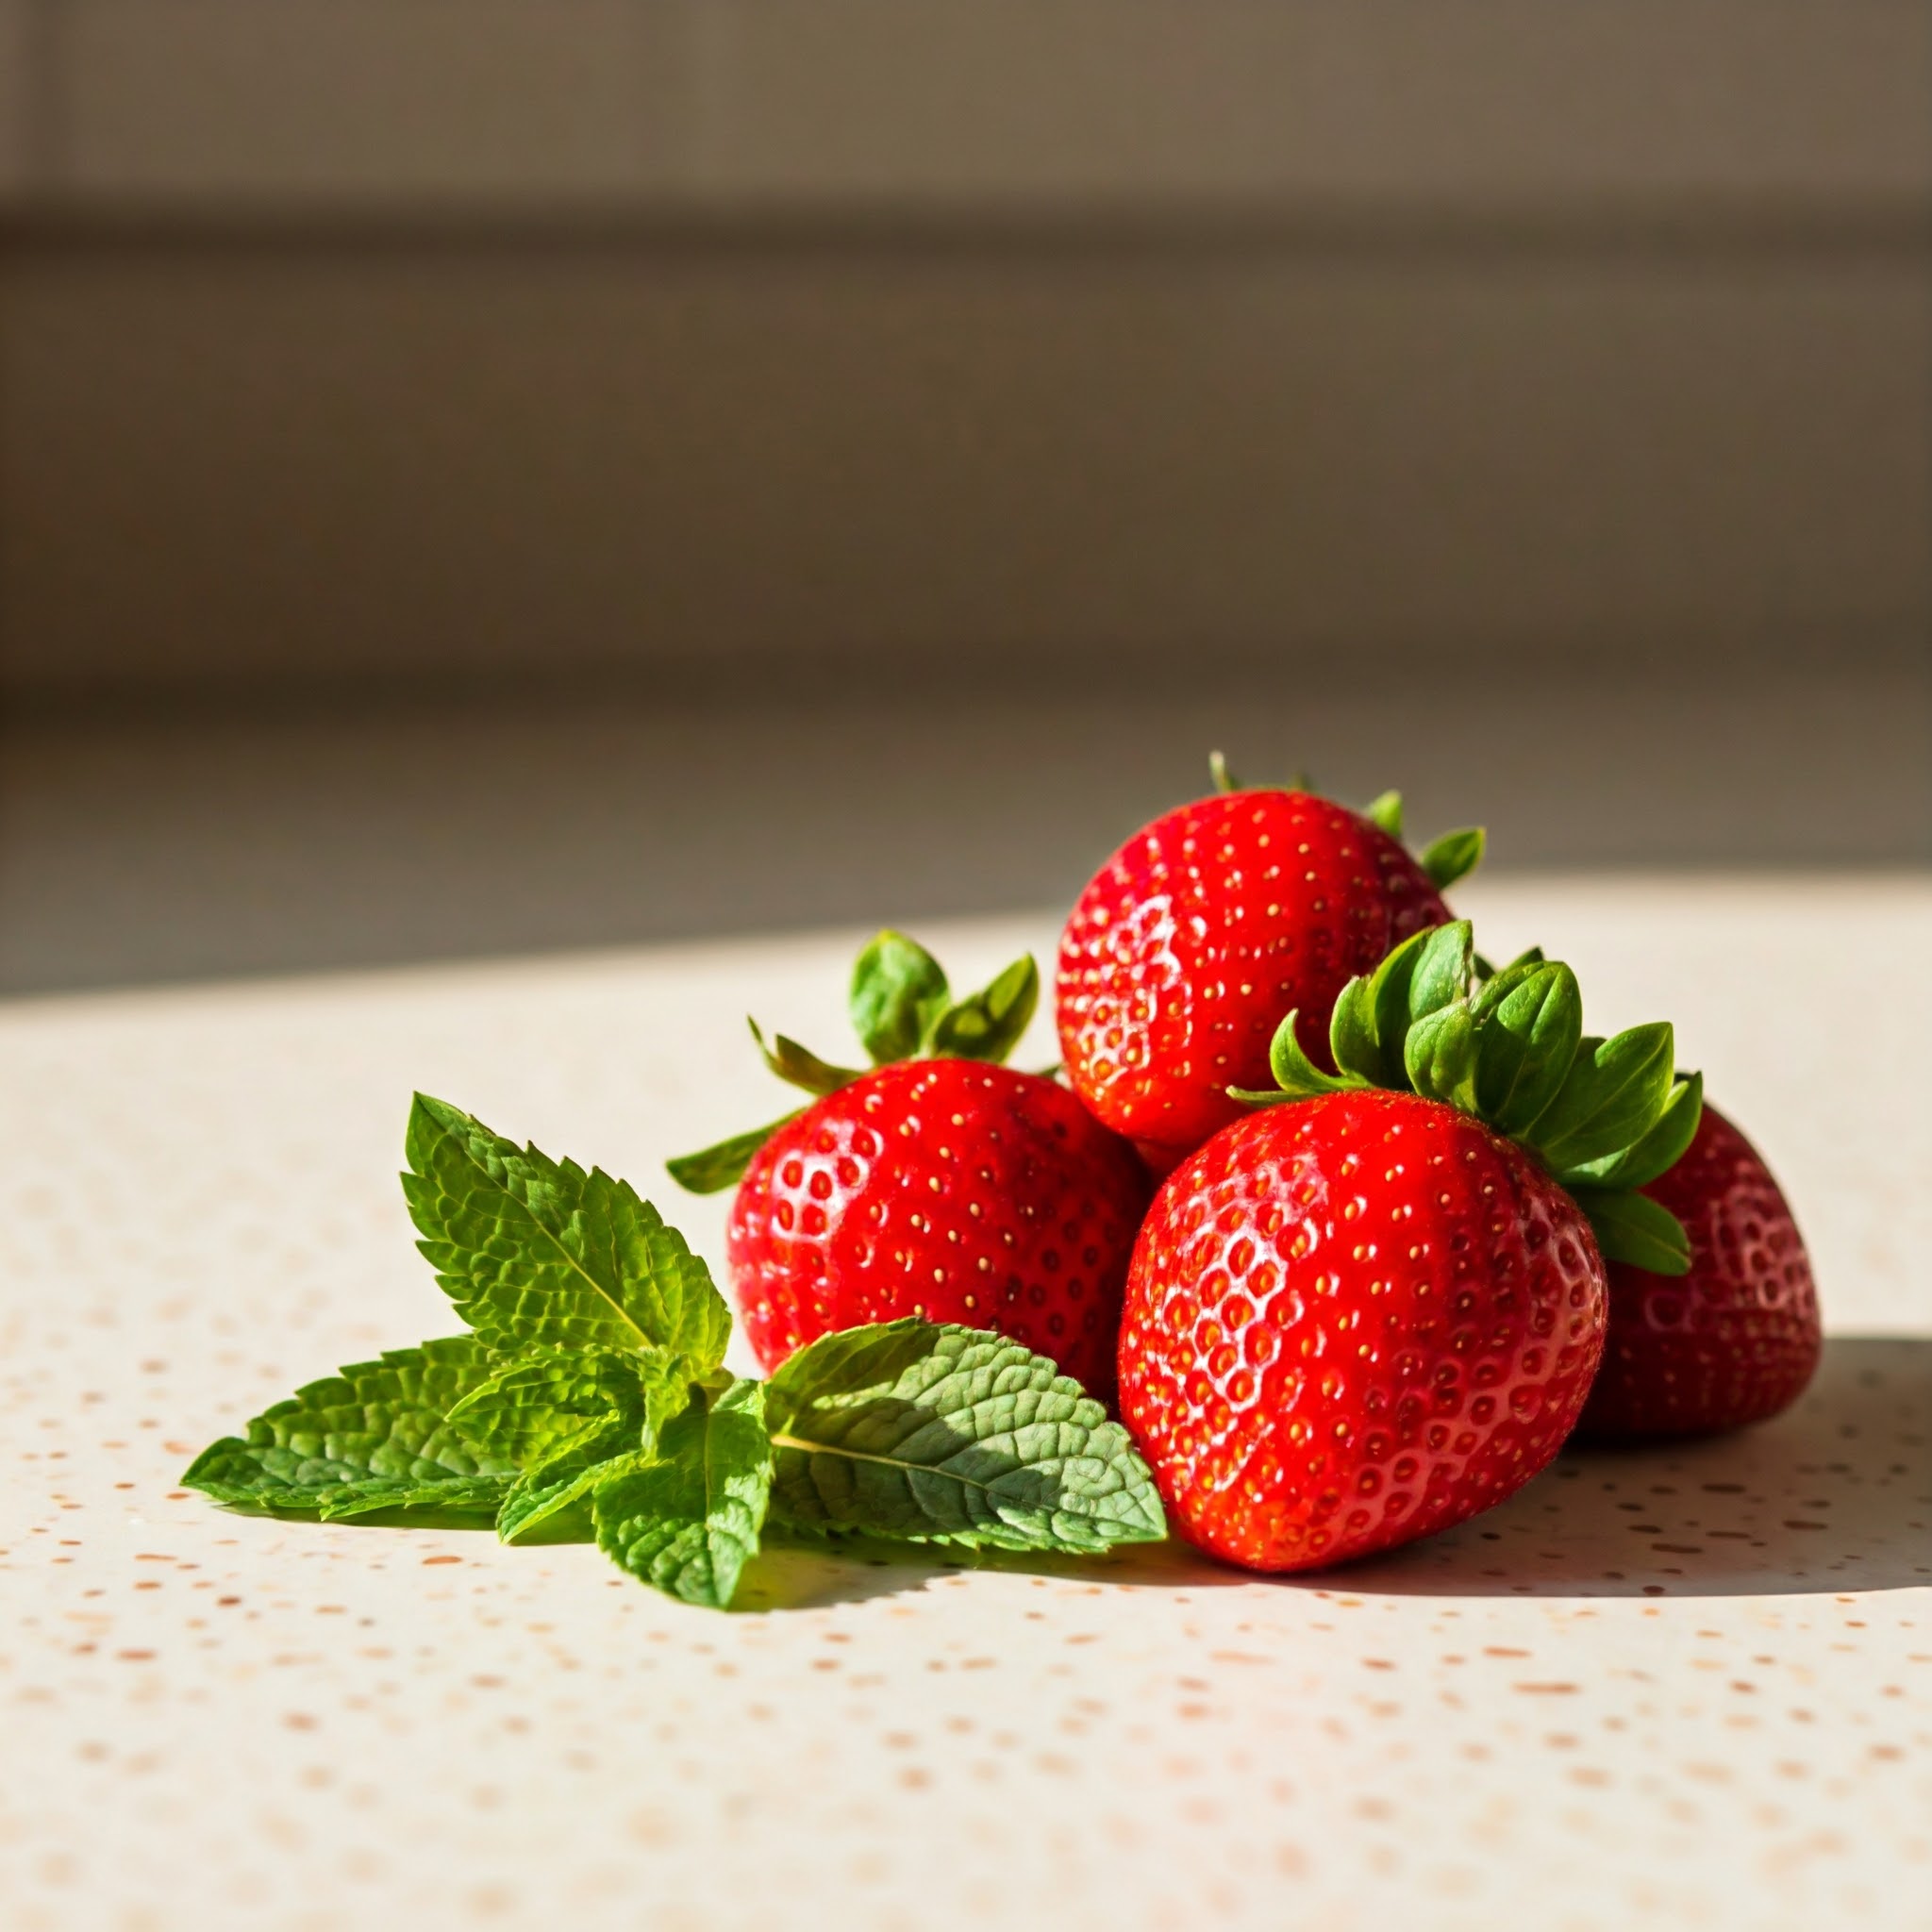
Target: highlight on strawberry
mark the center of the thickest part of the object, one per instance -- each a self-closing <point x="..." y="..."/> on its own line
<point x="1189" y="944"/>
<point x="937" y="1183"/>
<point x="1374" y="1306"/>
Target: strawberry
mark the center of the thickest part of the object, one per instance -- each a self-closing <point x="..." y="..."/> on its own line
<point x="1737" y="1338"/>
<point x="1375" y="1308"/>
<point x="1212" y="921"/>
<point x="938" y="1183"/>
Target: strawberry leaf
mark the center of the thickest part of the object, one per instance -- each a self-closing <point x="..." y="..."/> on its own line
<point x="1529" y="1022"/>
<point x="375" y="1436"/>
<point x="799" y="1066"/>
<point x="1632" y="1227"/>
<point x="898" y="990"/>
<point x="987" y="1025"/>
<point x="1354" y="1039"/>
<point x="713" y="1168"/>
<point x="1610" y="1097"/>
<point x="689" y="1521"/>
<point x="1385" y="811"/>
<point x="1656" y="1153"/>
<point x="1438" y="1055"/>
<point x="1453" y="857"/>
<point x="537" y="1251"/>
<point x="941" y="1434"/>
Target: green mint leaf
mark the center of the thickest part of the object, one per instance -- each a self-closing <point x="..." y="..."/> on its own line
<point x="988" y="1025"/>
<point x="1438" y="1055"/>
<point x="799" y="1065"/>
<point x="1453" y="857"/>
<point x="688" y="1522"/>
<point x="1385" y="811"/>
<point x="711" y="1169"/>
<point x="898" y="990"/>
<point x="1656" y="1153"/>
<point x="377" y="1436"/>
<point x="1611" y="1098"/>
<point x="537" y="1251"/>
<point x="1527" y="1040"/>
<point x="1354" y="1038"/>
<point x="941" y="1434"/>
<point x="1632" y="1227"/>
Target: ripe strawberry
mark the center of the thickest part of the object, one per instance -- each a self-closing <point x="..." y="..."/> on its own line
<point x="1374" y="1309"/>
<point x="1208" y="925"/>
<point x="940" y="1184"/>
<point x="1734" y="1340"/>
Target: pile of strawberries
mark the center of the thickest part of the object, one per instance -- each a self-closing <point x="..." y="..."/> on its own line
<point x="1355" y="1227"/>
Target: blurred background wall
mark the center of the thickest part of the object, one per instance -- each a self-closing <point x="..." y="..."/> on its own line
<point x="478" y="475"/>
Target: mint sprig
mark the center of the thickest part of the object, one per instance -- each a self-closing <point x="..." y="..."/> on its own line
<point x="1605" y="1116"/>
<point x="902" y="1008"/>
<point x="590" y="1401"/>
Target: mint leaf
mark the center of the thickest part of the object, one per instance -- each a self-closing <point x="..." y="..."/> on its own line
<point x="533" y="1250"/>
<point x="1529" y="1022"/>
<point x="1610" y="1097"/>
<point x="375" y="1436"/>
<point x="563" y="1416"/>
<point x="1656" y="1153"/>
<point x="1632" y="1227"/>
<point x="1454" y="856"/>
<point x="688" y="1522"/>
<point x="987" y="1025"/>
<point x="941" y="1434"/>
<point x="898" y="990"/>
<point x="711" y="1169"/>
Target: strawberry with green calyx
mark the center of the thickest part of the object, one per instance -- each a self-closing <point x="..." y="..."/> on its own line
<point x="1735" y="1337"/>
<point x="938" y="1183"/>
<point x="1207" y="924"/>
<point x="1374" y="1306"/>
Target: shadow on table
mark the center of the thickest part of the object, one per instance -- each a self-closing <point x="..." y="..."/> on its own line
<point x="1835" y="1495"/>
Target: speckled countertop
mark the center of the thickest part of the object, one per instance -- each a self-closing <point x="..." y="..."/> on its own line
<point x="1690" y="1686"/>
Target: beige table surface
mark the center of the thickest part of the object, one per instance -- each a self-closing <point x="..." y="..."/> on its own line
<point x="1690" y="1686"/>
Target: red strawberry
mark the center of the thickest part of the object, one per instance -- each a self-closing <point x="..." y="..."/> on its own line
<point x="1375" y="1308"/>
<point x="1206" y="926"/>
<point x="1734" y="1340"/>
<point x="940" y="1184"/>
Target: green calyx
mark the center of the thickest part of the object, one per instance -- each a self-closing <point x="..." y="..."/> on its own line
<point x="1452" y="857"/>
<point x="1506" y="1046"/>
<point x="902" y="1008"/>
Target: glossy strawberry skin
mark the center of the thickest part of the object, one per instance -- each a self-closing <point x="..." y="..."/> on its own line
<point x="1208" y="927"/>
<point x="1737" y="1338"/>
<point x="945" y="1188"/>
<point x="1351" y="1322"/>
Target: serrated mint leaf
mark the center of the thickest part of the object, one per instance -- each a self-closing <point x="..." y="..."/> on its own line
<point x="1526" y="1038"/>
<point x="1611" y="1098"/>
<point x="377" y="1436"/>
<point x="711" y="1169"/>
<point x="987" y="1025"/>
<point x="934" y="1433"/>
<point x="688" y="1522"/>
<point x="800" y="1066"/>
<point x="1656" y="1153"/>
<point x="1385" y="811"/>
<point x="1439" y="1057"/>
<point x="1454" y="856"/>
<point x="535" y="1251"/>
<point x="1632" y="1227"/>
<point x="898" y="990"/>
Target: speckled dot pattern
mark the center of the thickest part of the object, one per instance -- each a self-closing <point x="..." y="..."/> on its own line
<point x="1735" y="1339"/>
<point x="1352" y="1321"/>
<point x="1683" y="1685"/>
<point x="1201" y="933"/>
<point x="943" y="1189"/>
